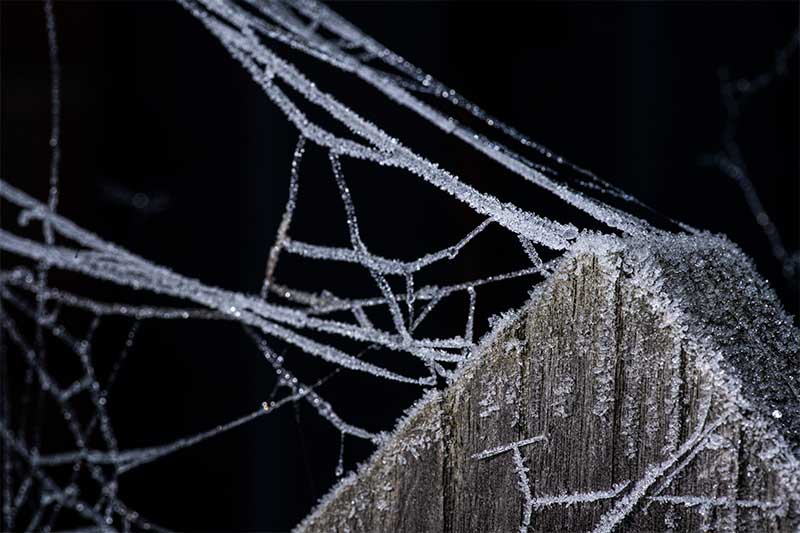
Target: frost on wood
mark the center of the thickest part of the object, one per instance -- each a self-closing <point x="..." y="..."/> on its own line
<point x="677" y="416"/>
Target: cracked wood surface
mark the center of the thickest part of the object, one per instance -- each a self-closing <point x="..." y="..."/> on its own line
<point x="655" y="411"/>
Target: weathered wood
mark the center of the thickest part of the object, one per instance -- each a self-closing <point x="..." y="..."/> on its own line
<point x="663" y="378"/>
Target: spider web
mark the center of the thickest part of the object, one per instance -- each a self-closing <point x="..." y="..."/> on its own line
<point x="36" y="497"/>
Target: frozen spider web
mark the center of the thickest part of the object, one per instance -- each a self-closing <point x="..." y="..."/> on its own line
<point x="308" y="321"/>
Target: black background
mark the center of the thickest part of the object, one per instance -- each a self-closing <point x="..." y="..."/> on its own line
<point x="152" y="104"/>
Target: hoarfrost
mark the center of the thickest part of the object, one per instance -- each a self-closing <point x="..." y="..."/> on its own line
<point x="499" y="390"/>
<point x="292" y="314"/>
<point x="562" y="396"/>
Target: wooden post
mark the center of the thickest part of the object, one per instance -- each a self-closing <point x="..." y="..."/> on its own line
<point x="648" y="385"/>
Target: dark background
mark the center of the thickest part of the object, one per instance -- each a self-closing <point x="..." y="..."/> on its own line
<point x="170" y="150"/>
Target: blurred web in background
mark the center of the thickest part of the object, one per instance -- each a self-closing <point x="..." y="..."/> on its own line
<point x="736" y="94"/>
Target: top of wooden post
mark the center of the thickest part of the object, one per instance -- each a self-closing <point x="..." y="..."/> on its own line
<point x="648" y="384"/>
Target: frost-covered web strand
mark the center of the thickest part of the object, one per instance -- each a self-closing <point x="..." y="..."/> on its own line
<point x="246" y="48"/>
<point x="386" y="84"/>
<point x="653" y="473"/>
<point x="121" y="460"/>
<point x="524" y="487"/>
<point x="377" y="263"/>
<point x="49" y="386"/>
<point x="124" y="268"/>
<point x="470" y="332"/>
<point x="35" y="420"/>
<point x="114" y="309"/>
<point x="355" y="38"/>
<point x="580" y="497"/>
<point x="359" y="246"/>
<point x="300" y="390"/>
<point x="503" y="448"/>
<point x="340" y="464"/>
<point x="697" y="501"/>
<point x="283" y="228"/>
<point x="55" y="114"/>
<point x="140" y="275"/>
